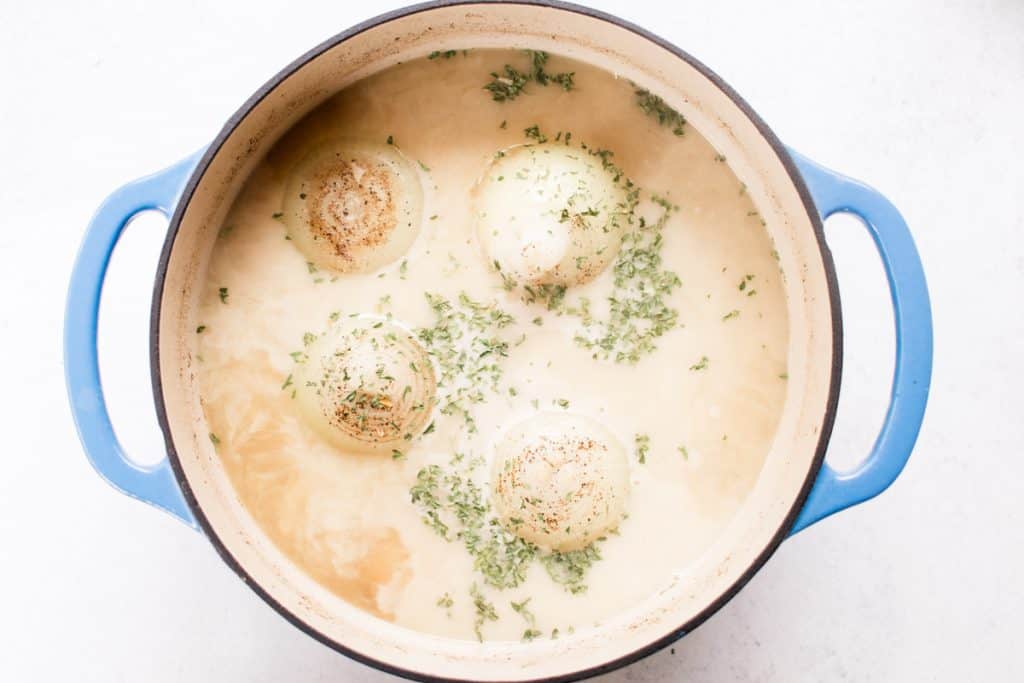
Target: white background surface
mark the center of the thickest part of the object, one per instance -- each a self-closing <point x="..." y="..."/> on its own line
<point x="922" y="99"/>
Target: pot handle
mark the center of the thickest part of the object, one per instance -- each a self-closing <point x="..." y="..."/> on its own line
<point x="834" y="491"/>
<point x="156" y="484"/>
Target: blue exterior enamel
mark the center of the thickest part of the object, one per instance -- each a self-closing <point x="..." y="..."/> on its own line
<point x="834" y="491"/>
<point x="155" y="485"/>
<point x="832" y="193"/>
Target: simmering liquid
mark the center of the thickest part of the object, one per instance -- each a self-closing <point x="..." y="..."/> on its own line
<point x="683" y="371"/>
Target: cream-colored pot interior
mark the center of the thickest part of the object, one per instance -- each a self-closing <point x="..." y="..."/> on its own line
<point x="768" y="511"/>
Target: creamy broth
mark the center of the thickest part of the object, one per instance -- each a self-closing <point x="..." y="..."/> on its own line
<point x="697" y="415"/>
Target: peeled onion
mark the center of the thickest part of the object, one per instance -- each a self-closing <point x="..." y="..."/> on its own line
<point x="560" y="480"/>
<point x="353" y="206"/>
<point x="366" y="385"/>
<point x="550" y="214"/>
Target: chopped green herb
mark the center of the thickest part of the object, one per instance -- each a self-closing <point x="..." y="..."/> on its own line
<point x="639" y="312"/>
<point x="454" y="501"/>
<point x="200" y="329"/>
<point x="652" y="105"/>
<point x="214" y="439"/>
<point x="702" y="364"/>
<point x="446" y="602"/>
<point x="446" y="54"/>
<point x="426" y="494"/>
<point x="570" y="568"/>
<point x="508" y="282"/>
<point x="223" y="293"/>
<point x="468" y="343"/>
<point x="484" y="611"/>
<point x="643" y="447"/>
<point x="391" y="140"/>
<point x="538" y="74"/>
<point x="521" y="609"/>
<point x="730" y="315"/>
<point x="287" y="383"/>
<point x="509" y="84"/>
<point x="552" y="296"/>
<point x="533" y="132"/>
<point x="664" y="203"/>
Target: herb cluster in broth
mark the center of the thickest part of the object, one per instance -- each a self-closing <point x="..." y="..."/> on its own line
<point x="492" y="345"/>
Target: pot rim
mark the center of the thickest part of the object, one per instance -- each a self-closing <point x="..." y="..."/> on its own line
<point x="794" y="176"/>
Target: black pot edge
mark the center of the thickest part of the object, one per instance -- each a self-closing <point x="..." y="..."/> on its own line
<point x="805" y="197"/>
